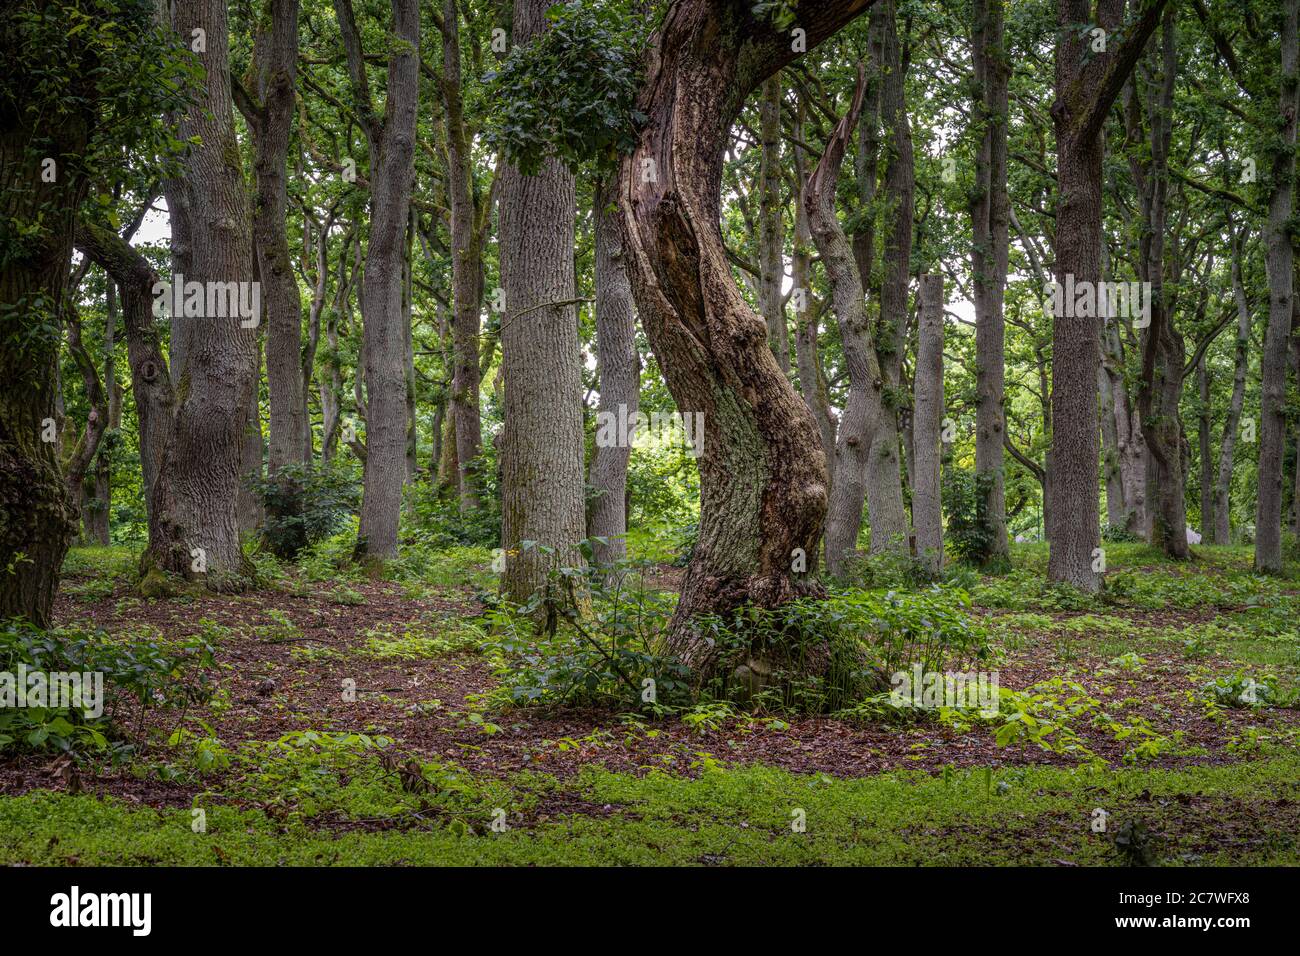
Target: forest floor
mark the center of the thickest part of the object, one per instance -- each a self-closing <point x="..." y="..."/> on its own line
<point x="285" y="764"/>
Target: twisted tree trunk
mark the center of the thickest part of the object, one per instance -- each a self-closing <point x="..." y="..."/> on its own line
<point x="762" y="470"/>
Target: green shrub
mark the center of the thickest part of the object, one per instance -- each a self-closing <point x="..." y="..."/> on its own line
<point x="304" y="504"/>
<point x="591" y="637"/>
<point x="147" y="669"/>
<point x="969" y="535"/>
<point x="825" y="654"/>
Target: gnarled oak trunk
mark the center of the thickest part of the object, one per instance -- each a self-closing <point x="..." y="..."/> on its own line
<point x="762" y="470"/>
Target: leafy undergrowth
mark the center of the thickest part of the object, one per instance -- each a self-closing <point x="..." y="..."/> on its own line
<point x="345" y="719"/>
<point x="1247" y="815"/>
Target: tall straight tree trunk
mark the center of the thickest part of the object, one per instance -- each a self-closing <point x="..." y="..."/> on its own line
<point x="1222" y="530"/>
<point x="1203" y="378"/>
<point x="1281" y="278"/>
<point x="1130" y="445"/>
<point x="250" y="508"/>
<point x="771" y="232"/>
<point x="408" y="348"/>
<point x="392" y="164"/>
<point x="97" y="520"/>
<point x="1163" y="351"/>
<point x="1087" y="84"/>
<point x="331" y="386"/>
<point x="276" y="56"/>
<point x="863" y="409"/>
<point x="885" y="509"/>
<point x="618" y="367"/>
<point x="214" y="359"/>
<point x="927" y="424"/>
<point x="812" y="380"/>
<point x="84" y="449"/>
<point x="1110" y="451"/>
<point x="989" y="251"/>
<point x="542" y="444"/>
<point x="466" y="269"/>
<point x="320" y="290"/>
<point x="762" y="473"/>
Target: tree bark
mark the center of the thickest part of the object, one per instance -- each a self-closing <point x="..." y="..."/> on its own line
<point x="618" y="367"/>
<point x="1203" y="447"/>
<point x="97" y="521"/>
<point x="863" y="408"/>
<point x="392" y="164"/>
<point x="885" y="509"/>
<point x="1163" y="351"/>
<point x="466" y="269"/>
<point x="762" y="472"/>
<point x="989" y="254"/>
<point x="38" y="518"/>
<point x="276" y="57"/>
<point x="1221" y="532"/>
<point x="151" y="384"/>
<point x="1130" y="445"/>
<point x="1110" y="450"/>
<point x="927" y="422"/>
<point x="542" y="443"/>
<point x="250" y="507"/>
<point x="214" y="358"/>
<point x="812" y="379"/>
<point x="763" y="486"/>
<point x="83" y="452"/>
<point x="1272" y="426"/>
<point x="1087" y="84"/>
<point x="771" y="231"/>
